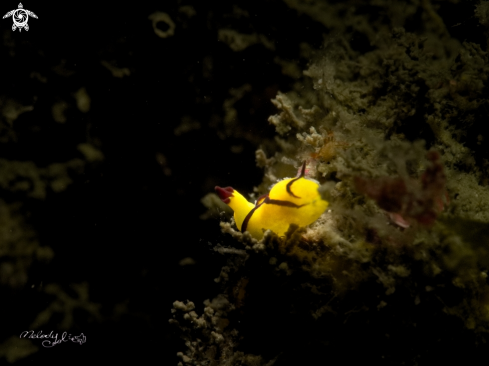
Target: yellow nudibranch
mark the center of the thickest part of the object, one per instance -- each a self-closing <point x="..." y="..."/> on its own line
<point x="290" y="201"/>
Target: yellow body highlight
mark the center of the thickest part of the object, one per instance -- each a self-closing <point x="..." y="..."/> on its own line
<point x="301" y="204"/>
<point x="241" y="208"/>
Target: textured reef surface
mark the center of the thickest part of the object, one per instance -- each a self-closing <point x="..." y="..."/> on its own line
<point x="390" y="120"/>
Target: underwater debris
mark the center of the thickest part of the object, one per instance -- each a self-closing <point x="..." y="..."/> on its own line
<point x="159" y="16"/>
<point x="210" y="339"/>
<point x="19" y="247"/>
<point x="66" y="306"/>
<point x="239" y="41"/>
<point x="83" y="100"/>
<point x="117" y="72"/>
<point x="408" y="200"/>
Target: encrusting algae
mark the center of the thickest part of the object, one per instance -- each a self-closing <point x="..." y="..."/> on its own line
<point x="402" y="252"/>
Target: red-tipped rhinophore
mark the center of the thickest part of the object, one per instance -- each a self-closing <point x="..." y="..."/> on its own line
<point x="224" y="193"/>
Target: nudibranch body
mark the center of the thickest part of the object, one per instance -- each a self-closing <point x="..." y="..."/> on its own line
<point x="290" y="201"/>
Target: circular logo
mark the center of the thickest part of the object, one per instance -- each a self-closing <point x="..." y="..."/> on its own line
<point x="20" y="18"/>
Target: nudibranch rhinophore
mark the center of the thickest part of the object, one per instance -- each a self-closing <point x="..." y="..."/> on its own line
<point x="290" y="201"/>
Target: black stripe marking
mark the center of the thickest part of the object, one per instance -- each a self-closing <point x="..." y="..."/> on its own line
<point x="261" y="197"/>
<point x="283" y="203"/>
<point x="289" y="185"/>
<point x="269" y="201"/>
<point x="248" y="217"/>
